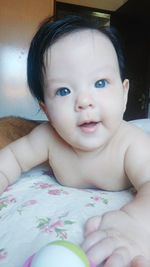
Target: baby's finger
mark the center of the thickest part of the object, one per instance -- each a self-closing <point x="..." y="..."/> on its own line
<point x="92" y="225"/>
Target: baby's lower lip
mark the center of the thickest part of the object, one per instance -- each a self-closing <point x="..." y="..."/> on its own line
<point x="89" y="127"/>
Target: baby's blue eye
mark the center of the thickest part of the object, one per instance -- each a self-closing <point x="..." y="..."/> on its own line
<point x="63" y="91"/>
<point x="101" y="83"/>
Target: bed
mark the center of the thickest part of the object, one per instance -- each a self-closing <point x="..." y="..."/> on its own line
<point x="37" y="210"/>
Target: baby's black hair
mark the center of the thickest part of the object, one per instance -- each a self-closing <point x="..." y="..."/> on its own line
<point x="52" y="30"/>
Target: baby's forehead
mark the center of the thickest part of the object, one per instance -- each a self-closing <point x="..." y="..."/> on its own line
<point x="83" y="41"/>
<point x="83" y="35"/>
<point x="84" y="52"/>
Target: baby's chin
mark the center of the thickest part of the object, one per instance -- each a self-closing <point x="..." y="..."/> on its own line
<point x="91" y="148"/>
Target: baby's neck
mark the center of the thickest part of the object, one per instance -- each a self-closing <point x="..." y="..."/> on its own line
<point x="88" y="154"/>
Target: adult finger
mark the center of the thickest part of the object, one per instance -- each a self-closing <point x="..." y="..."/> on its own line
<point x="101" y="251"/>
<point x="92" y="225"/>
<point x="93" y="238"/>
<point x="119" y="258"/>
<point x="140" y="261"/>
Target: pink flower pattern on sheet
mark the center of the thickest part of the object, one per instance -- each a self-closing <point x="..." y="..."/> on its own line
<point x="59" y="227"/>
<point x="39" y="208"/>
<point x="57" y="192"/>
<point x="26" y="204"/>
<point x="6" y="201"/>
<point x="51" y="188"/>
<point x="96" y="199"/>
<point x="42" y="185"/>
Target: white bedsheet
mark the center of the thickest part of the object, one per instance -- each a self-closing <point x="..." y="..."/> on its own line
<point x="37" y="210"/>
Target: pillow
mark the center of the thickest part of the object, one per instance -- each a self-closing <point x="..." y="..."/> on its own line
<point x="142" y="123"/>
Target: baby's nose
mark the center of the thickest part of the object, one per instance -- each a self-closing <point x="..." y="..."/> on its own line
<point x="84" y="101"/>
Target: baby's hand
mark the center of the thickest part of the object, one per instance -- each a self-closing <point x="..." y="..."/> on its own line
<point x="116" y="240"/>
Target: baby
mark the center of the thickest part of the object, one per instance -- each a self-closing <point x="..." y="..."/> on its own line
<point x="76" y="72"/>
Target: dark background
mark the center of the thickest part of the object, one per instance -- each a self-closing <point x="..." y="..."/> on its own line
<point x="133" y="23"/>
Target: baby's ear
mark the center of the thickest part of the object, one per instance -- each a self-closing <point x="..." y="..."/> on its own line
<point x="43" y="107"/>
<point x="125" y="92"/>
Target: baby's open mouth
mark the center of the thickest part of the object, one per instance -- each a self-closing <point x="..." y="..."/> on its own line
<point x="89" y="127"/>
<point x="88" y="124"/>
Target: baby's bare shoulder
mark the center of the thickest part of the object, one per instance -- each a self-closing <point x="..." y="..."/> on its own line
<point x="135" y="134"/>
<point x="44" y="130"/>
<point x="137" y="156"/>
<point x="132" y="133"/>
<point x="43" y="134"/>
<point x="46" y="135"/>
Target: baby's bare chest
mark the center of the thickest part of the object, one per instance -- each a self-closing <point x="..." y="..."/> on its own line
<point x="101" y="172"/>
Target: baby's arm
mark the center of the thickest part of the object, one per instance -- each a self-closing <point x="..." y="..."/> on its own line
<point x="22" y="155"/>
<point x="118" y="237"/>
<point x="137" y="167"/>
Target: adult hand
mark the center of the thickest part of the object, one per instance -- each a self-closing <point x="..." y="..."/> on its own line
<point x="117" y="240"/>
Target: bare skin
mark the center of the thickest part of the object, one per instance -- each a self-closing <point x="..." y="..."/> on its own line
<point x="88" y="145"/>
<point x="140" y="261"/>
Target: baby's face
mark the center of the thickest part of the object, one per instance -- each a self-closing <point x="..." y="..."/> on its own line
<point x="84" y="96"/>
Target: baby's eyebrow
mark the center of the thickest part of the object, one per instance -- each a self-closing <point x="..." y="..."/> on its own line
<point x="55" y="79"/>
<point x="104" y="68"/>
<point x="102" y="72"/>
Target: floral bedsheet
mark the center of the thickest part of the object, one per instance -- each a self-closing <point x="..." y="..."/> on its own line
<point x="37" y="210"/>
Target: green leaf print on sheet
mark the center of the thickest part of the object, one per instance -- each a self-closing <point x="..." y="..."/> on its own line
<point x="59" y="227"/>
